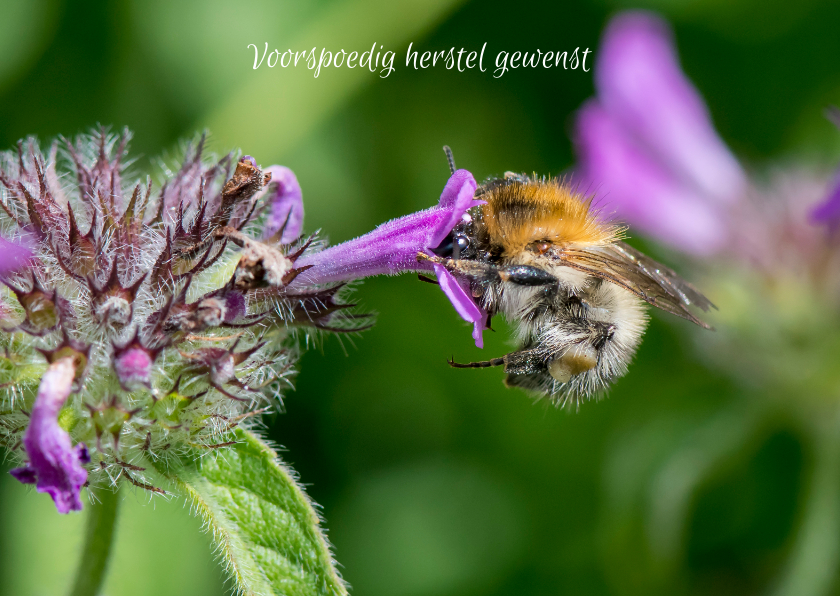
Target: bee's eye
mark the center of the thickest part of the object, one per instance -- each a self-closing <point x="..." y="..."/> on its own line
<point x="461" y="243"/>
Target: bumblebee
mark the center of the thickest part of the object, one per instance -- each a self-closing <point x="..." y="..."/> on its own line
<point x="538" y="254"/>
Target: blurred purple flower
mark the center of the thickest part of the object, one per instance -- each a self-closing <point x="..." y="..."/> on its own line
<point x="54" y="465"/>
<point x="829" y="210"/>
<point x="647" y="144"/>
<point x="392" y="248"/>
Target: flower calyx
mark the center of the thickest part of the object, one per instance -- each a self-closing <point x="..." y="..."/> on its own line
<point x="113" y="303"/>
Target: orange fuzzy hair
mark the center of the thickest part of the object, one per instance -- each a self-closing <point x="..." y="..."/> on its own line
<point x="520" y="213"/>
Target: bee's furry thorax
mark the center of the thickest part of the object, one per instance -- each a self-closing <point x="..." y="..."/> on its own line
<point x="523" y="211"/>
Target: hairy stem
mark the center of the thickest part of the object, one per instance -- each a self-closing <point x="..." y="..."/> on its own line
<point x="99" y="536"/>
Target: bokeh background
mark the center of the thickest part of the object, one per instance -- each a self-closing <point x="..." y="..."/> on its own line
<point x="436" y="481"/>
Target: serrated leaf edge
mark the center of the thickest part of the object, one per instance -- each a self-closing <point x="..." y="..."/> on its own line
<point x="248" y="577"/>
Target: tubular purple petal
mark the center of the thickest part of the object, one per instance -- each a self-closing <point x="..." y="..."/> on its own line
<point x="640" y="83"/>
<point x="457" y="196"/>
<point x="286" y="205"/>
<point x="459" y="295"/>
<point x="53" y="461"/>
<point x="640" y="190"/>
<point x="24" y="475"/>
<point x="392" y="249"/>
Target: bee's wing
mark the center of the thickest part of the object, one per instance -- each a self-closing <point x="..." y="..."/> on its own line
<point x="654" y="283"/>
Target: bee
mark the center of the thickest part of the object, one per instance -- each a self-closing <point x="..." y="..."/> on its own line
<point x="538" y="253"/>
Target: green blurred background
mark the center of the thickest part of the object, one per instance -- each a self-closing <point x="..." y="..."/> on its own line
<point x="436" y="481"/>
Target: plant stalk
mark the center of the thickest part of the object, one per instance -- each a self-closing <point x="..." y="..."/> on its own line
<point x="99" y="536"/>
<point x="812" y="568"/>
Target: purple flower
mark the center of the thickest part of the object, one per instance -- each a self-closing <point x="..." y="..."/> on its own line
<point x="286" y="215"/>
<point x="829" y="210"/>
<point x="647" y="144"/>
<point x="133" y="364"/>
<point x="54" y="465"/>
<point x="392" y="248"/>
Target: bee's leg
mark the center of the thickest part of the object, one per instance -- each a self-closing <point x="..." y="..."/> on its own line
<point x="523" y="275"/>
<point x="523" y="362"/>
<point x="475" y="270"/>
<point x="480" y="364"/>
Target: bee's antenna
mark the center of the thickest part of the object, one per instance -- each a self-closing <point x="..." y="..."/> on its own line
<point x="449" y="158"/>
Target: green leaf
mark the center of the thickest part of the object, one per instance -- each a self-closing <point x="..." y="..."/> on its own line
<point x="262" y="522"/>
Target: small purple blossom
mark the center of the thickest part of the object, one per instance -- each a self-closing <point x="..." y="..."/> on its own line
<point x="54" y="465"/>
<point x="392" y="249"/>
<point x="133" y="366"/>
<point x="647" y="143"/>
